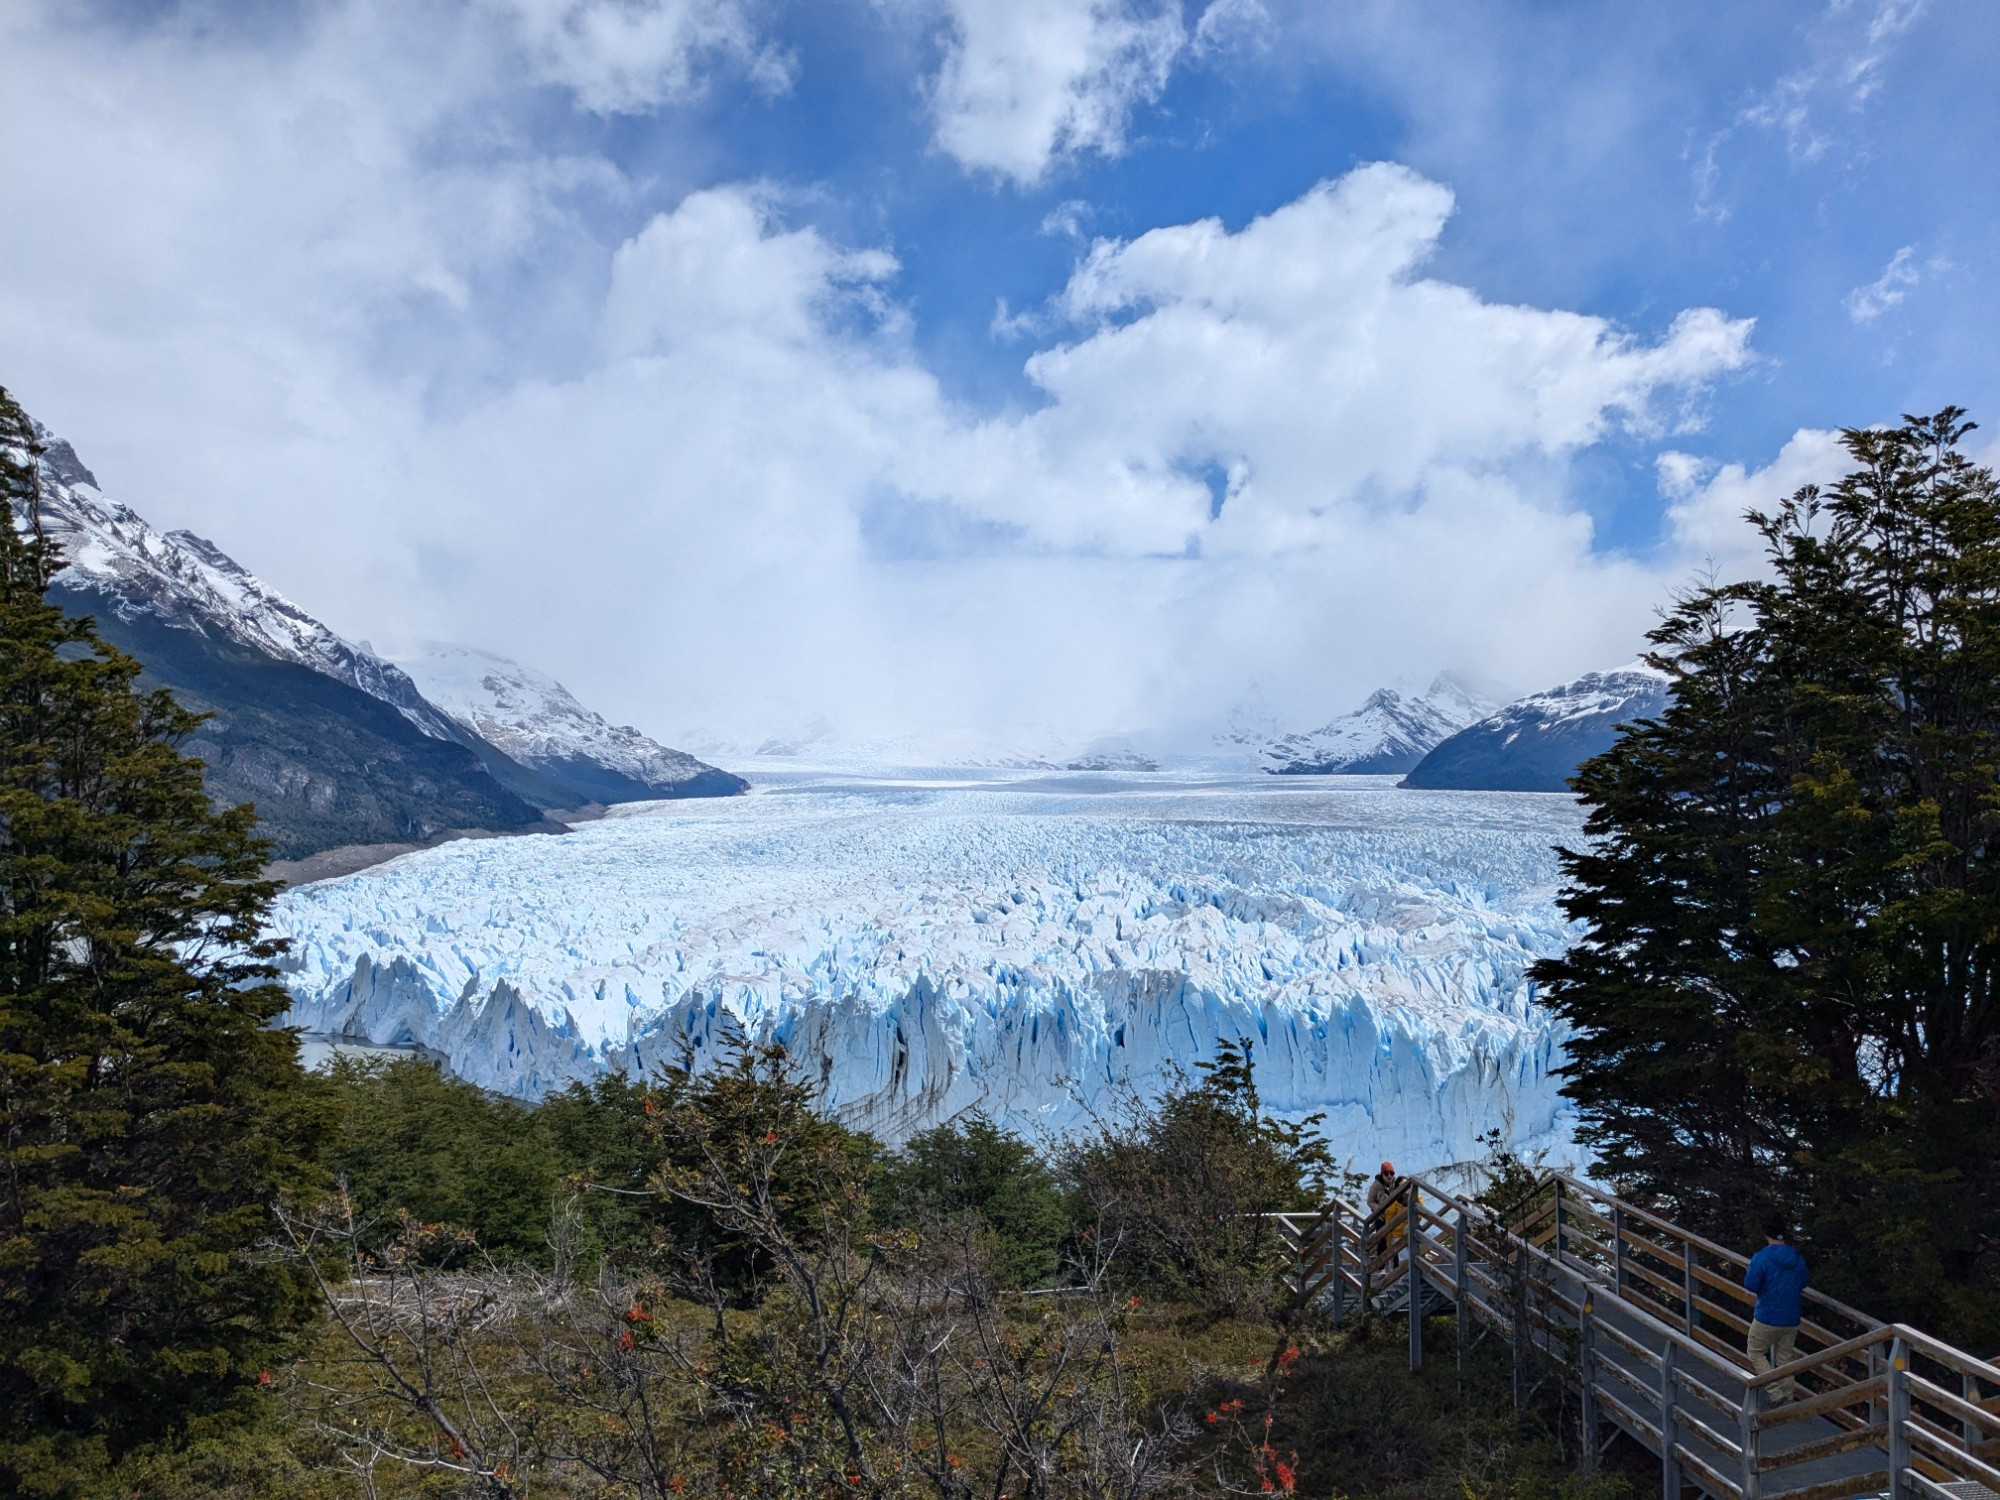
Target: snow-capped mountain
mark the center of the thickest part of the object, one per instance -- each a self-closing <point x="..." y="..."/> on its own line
<point x="536" y="721"/>
<point x="1536" y="743"/>
<point x="334" y="744"/>
<point x="1019" y="946"/>
<point x="1388" y="733"/>
<point x="186" y="581"/>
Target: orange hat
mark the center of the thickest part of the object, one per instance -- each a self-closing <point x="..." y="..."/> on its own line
<point x="1389" y="1167"/>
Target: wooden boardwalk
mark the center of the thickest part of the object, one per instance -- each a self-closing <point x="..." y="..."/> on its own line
<point x="1646" y="1323"/>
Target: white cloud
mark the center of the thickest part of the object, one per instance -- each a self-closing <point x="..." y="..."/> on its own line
<point x="702" y="473"/>
<point x="1228" y="24"/>
<point x="1866" y="303"/>
<point x="1848" y="48"/>
<point x="627" y="56"/>
<point x="1707" y="501"/>
<point x="1025" y="82"/>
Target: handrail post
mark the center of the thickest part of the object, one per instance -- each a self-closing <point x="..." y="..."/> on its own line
<point x="1517" y="1312"/>
<point x="1333" y="1259"/>
<point x="1460" y="1255"/>
<point x="1899" y="1417"/>
<point x="1971" y="1431"/>
<point x="1618" y="1247"/>
<point x="1416" y="1279"/>
<point x="1365" y="1243"/>
<point x="1586" y="1379"/>
<point x="1687" y="1281"/>
<point x="1670" y="1468"/>
<point x="1753" y="1445"/>
<point x="1559" y="1221"/>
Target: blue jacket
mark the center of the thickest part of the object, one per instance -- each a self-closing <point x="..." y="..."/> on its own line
<point x="1777" y="1274"/>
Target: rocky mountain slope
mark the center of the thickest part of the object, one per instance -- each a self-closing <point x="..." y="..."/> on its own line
<point x="537" y="722"/>
<point x="1536" y="743"/>
<point x="335" y="745"/>
<point x="1390" y="732"/>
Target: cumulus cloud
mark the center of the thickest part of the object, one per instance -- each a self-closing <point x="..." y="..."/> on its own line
<point x="1025" y="82"/>
<point x="626" y="56"/>
<point x="703" y="473"/>
<point x="1707" y="501"/>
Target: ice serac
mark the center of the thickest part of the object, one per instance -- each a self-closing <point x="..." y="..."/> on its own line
<point x="1389" y="733"/>
<point x="1018" y="947"/>
<point x="535" y="721"/>
<point x="1536" y="743"/>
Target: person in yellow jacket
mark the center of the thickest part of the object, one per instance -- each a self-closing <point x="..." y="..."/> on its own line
<point x="1385" y="1204"/>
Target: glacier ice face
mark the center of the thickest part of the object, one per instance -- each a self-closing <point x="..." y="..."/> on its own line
<point x="1029" y="947"/>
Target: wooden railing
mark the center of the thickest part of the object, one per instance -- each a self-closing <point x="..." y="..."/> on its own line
<point x="1646" y="1322"/>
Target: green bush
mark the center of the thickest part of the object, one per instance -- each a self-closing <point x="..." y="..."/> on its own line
<point x="1178" y="1193"/>
<point x="411" y="1139"/>
<point x="975" y="1167"/>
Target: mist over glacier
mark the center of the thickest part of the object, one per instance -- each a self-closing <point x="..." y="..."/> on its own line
<point x="1034" y="948"/>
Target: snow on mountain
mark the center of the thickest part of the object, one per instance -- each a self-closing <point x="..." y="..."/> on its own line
<point x="535" y="720"/>
<point x="1388" y="733"/>
<point x="1536" y="743"/>
<point x="1013" y="945"/>
<point x="188" y="582"/>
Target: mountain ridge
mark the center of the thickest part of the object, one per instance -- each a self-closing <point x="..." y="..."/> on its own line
<point x="1535" y="744"/>
<point x="336" y="745"/>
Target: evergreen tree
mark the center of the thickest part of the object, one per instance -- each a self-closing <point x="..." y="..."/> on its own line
<point x="148" y="1115"/>
<point x="1788" y="990"/>
<point x="412" y="1139"/>
<point x="974" y="1166"/>
<point x="1182" y="1188"/>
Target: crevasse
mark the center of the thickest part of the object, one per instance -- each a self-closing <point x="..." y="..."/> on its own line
<point x="1034" y="949"/>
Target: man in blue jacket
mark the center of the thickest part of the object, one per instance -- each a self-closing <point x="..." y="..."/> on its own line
<point x="1777" y="1275"/>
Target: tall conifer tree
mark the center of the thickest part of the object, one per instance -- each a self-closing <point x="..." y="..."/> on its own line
<point x="148" y="1115"/>
<point x="1787" y="994"/>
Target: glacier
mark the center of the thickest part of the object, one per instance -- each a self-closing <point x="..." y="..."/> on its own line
<point x="1035" y="948"/>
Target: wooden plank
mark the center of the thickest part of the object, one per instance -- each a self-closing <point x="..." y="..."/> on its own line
<point x="1653" y="1278"/>
<point x="1721" y="1314"/>
<point x="1647" y="1432"/>
<point x="1638" y="1241"/>
<point x="1720" y="1441"/>
<point x="1964" y="1465"/>
<point x="1625" y="1341"/>
<point x="1702" y="1391"/>
<point x="1813" y="1406"/>
<point x="1712" y="1479"/>
<point x="1936" y="1395"/>
<point x="1827" y="1447"/>
<point x="1722" y="1283"/>
<point x="1625" y="1374"/>
<point x="1838" y="1489"/>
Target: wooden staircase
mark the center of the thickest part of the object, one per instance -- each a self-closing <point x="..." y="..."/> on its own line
<point x="1646" y="1322"/>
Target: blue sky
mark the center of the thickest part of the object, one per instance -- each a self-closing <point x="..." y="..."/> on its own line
<point x="741" y="361"/>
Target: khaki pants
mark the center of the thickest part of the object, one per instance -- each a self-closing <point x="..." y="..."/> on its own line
<point x="1770" y="1347"/>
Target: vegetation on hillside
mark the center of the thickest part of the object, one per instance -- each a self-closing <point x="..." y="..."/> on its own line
<point x="1787" y="994"/>
<point x="148" y="1113"/>
<point x="220" y="1277"/>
